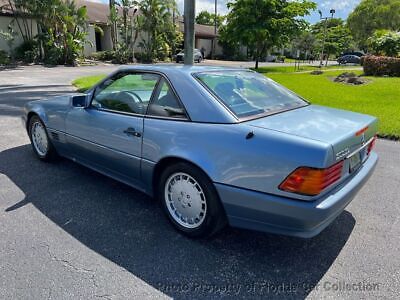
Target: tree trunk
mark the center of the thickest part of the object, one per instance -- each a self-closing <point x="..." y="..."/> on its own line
<point x="112" y="28"/>
<point x="257" y="56"/>
<point x="15" y="15"/>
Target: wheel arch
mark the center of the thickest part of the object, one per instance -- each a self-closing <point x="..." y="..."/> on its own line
<point x="35" y="112"/>
<point x="29" y="117"/>
<point x="163" y="163"/>
<point x="169" y="160"/>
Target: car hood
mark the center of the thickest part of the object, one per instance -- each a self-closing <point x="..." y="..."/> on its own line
<point x="336" y="127"/>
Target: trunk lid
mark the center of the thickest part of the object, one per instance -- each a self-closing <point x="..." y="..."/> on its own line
<point x="340" y="128"/>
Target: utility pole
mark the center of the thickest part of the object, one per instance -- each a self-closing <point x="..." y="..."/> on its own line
<point x="214" y="41"/>
<point x="189" y="15"/>
<point x="332" y="12"/>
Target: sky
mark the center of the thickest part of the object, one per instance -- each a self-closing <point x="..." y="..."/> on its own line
<point x="342" y="7"/>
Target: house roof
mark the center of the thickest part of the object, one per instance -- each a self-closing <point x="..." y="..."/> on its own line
<point x="98" y="13"/>
<point x="201" y="31"/>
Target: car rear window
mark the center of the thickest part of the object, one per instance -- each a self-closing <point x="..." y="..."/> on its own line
<point x="249" y="94"/>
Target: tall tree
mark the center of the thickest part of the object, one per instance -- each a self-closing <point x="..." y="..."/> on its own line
<point x="63" y="30"/>
<point x="157" y="23"/>
<point x="371" y="15"/>
<point x="113" y="18"/>
<point x="306" y="43"/>
<point x="206" y="18"/>
<point x="385" y="42"/>
<point x="333" y="36"/>
<point x="20" y="10"/>
<point x="263" y="24"/>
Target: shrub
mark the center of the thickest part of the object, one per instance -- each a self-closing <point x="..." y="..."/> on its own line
<point x="317" y="72"/>
<point x="54" y="56"/>
<point x="381" y="66"/>
<point x="384" y="42"/>
<point x="30" y="56"/>
<point x="4" y="59"/>
<point x="103" y="55"/>
<point x="141" y="57"/>
<point x="122" y="56"/>
<point x="27" y="51"/>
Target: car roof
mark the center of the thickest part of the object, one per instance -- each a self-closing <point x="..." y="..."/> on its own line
<point x="200" y="104"/>
<point x="176" y="68"/>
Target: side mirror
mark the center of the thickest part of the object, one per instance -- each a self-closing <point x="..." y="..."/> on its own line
<point x="79" y="101"/>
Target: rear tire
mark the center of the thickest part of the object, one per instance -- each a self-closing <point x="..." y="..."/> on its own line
<point x="190" y="201"/>
<point x="40" y="141"/>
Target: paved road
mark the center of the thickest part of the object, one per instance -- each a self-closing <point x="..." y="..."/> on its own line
<point x="67" y="232"/>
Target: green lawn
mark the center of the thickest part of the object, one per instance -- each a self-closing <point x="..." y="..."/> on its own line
<point x="85" y="83"/>
<point x="380" y="97"/>
<point x="302" y="68"/>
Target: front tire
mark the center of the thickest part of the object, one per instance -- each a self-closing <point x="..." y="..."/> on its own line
<point x="40" y="141"/>
<point x="190" y="201"/>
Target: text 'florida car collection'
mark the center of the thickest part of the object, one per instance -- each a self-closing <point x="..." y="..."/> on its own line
<point x="217" y="146"/>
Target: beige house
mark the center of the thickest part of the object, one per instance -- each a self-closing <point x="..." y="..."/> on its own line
<point x="6" y="19"/>
<point x="98" y="17"/>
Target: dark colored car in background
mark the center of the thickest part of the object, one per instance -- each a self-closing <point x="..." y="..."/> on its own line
<point x="349" y="59"/>
<point x="197" y="56"/>
<point x="356" y="53"/>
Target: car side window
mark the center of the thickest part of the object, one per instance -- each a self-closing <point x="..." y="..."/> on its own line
<point x="126" y="92"/>
<point x="165" y="103"/>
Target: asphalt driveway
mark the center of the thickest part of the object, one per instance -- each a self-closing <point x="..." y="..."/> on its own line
<point x="67" y="232"/>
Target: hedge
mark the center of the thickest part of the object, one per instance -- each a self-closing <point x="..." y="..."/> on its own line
<point x="381" y="66"/>
<point x="4" y="59"/>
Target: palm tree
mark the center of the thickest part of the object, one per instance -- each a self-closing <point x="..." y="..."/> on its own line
<point x="157" y="21"/>
<point x="113" y="20"/>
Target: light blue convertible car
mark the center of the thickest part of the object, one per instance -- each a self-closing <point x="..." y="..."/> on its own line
<point x="217" y="146"/>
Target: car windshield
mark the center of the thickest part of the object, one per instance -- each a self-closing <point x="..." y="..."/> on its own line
<point x="248" y="94"/>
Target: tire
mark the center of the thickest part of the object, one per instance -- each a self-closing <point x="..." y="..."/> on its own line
<point x="40" y="141"/>
<point x="204" y="205"/>
<point x="199" y="60"/>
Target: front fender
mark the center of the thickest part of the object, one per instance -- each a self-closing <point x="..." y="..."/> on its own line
<point x="52" y="112"/>
<point x="34" y="108"/>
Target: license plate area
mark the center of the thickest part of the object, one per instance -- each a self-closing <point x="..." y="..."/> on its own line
<point x="354" y="162"/>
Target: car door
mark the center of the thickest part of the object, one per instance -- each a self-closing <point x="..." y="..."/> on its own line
<point x="107" y="135"/>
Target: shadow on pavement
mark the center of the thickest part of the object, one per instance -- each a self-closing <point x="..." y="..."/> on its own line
<point x="13" y="98"/>
<point x="128" y="228"/>
<point x="10" y="67"/>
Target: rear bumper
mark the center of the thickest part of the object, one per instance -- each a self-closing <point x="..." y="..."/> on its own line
<point x="280" y="215"/>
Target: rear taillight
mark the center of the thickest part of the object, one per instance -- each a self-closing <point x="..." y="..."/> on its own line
<point x="361" y="131"/>
<point x="371" y="145"/>
<point x="311" y="181"/>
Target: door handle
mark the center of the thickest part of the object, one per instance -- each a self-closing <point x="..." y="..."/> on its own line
<point x="132" y="131"/>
